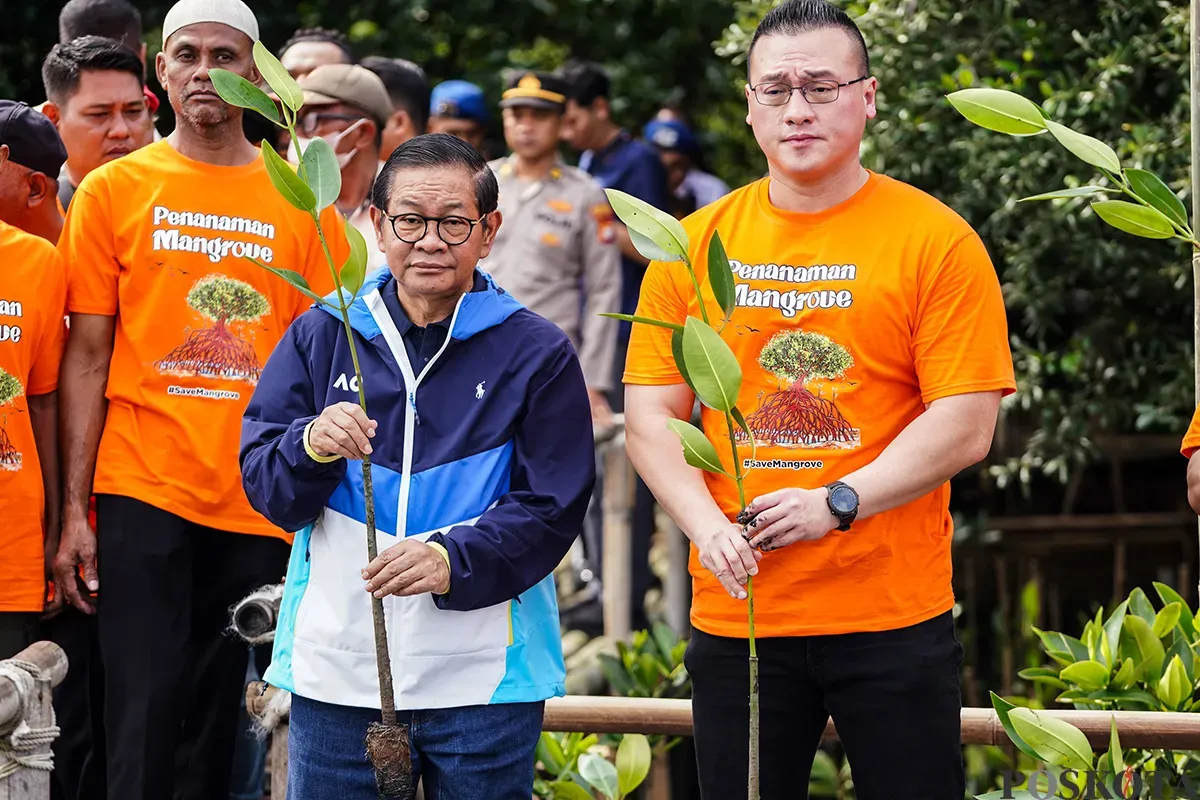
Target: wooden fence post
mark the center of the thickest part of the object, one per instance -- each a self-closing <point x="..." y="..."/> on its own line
<point x="617" y="561"/>
<point x="51" y="663"/>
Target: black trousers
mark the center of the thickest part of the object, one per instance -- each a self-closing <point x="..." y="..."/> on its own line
<point x="893" y="695"/>
<point x="18" y="630"/>
<point x="172" y="673"/>
<point x="79" y="707"/>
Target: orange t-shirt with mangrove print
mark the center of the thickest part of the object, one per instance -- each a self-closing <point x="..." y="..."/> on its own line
<point x="33" y="298"/>
<point x="163" y="242"/>
<point x="847" y="323"/>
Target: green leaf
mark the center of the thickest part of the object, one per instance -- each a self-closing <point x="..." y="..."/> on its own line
<point x="1181" y="646"/>
<point x="677" y="354"/>
<point x="1079" y="191"/>
<point x="1140" y="604"/>
<point x="1174" y="688"/>
<point x="1124" y="698"/>
<point x="648" y="248"/>
<point x="1112" y="629"/>
<point x="282" y="84"/>
<point x="1186" y="620"/>
<point x="1089" y="675"/>
<point x="1154" y="191"/>
<point x="1148" y="647"/>
<point x="1004" y="710"/>
<point x="550" y="753"/>
<point x="237" y="91"/>
<point x="354" y="271"/>
<point x="600" y="774"/>
<point x="615" y="674"/>
<point x="294" y="278"/>
<point x="1086" y="148"/>
<point x="1043" y="675"/>
<point x="665" y="639"/>
<point x="658" y="323"/>
<point x="565" y="790"/>
<point x="720" y="277"/>
<point x="1061" y="642"/>
<point x="287" y="182"/>
<point x="1056" y="742"/>
<point x="714" y="369"/>
<point x="633" y="762"/>
<point x="1124" y="677"/>
<point x="698" y="451"/>
<point x="740" y="419"/>
<point x="322" y="173"/>
<point x="1134" y="219"/>
<point x="1116" y="758"/>
<point x="1167" y="617"/>
<point x="658" y="226"/>
<point x="999" y="110"/>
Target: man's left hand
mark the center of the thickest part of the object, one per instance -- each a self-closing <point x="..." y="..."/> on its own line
<point x="408" y="568"/>
<point x="788" y="515"/>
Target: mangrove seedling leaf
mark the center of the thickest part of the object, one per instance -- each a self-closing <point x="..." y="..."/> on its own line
<point x="714" y="369"/>
<point x="322" y="173"/>
<point x="281" y="82"/>
<point x="1088" y="149"/>
<point x="698" y="451"/>
<point x="287" y="182"/>
<point x="999" y="110"/>
<point x="237" y="91"/>
<point x="1132" y="218"/>
<point x="658" y="226"/>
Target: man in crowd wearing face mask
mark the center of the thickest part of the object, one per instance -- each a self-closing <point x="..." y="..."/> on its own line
<point x="170" y="327"/>
<point x="348" y="106"/>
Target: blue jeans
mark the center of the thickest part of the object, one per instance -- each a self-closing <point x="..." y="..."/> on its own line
<point x="459" y="753"/>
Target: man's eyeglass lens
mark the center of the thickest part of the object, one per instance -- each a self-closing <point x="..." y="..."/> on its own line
<point x="778" y="94"/>
<point x="411" y="228"/>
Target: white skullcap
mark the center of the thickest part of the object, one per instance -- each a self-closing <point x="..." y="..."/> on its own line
<point x="233" y="13"/>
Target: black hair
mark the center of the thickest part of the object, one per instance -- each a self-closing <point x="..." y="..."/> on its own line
<point x="407" y="86"/>
<point x="439" y="150"/>
<point x="588" y="81"/>
<point x="113" y="19"/>
<point x="801" y="16"/>
<point x="327" y="35"/>
<point x="66" y="63"/>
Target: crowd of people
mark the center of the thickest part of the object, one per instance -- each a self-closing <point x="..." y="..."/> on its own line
<point x="178" y="427"/>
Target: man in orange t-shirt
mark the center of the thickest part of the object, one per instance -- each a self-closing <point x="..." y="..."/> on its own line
<point x="171" y="325"/>
<point x="1191" y="444"/>
<point x="871" y="333"/>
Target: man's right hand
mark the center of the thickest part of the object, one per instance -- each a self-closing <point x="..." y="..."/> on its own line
<point x="76" y="547"/>
<point x="343" y="429"/>
<point x="725" y="553"/>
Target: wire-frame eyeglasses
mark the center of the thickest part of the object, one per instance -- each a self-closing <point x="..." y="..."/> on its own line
<point x="815" y="92"/>
<point x="410" y="228"/>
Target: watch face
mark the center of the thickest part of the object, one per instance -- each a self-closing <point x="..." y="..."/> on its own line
<point x="842" y="499"/>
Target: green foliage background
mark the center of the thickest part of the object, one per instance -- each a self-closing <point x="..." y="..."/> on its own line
<point x="1100" y="321"/>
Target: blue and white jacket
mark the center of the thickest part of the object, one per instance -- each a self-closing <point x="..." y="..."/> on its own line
<point x="488" y="451"/>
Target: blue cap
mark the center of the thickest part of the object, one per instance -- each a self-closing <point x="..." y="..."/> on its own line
<point x="460" y="100"/>
<point x="670" y="134"/>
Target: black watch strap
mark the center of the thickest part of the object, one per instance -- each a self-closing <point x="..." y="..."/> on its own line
<point x="845" y="518"/>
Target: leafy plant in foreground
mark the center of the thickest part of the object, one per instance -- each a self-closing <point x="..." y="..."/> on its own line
<point x="312" y="189"/>
<point x="712" y="371"/>
<point x="575" y="766"/>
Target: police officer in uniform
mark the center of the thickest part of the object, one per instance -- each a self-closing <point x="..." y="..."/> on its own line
<point x="557" y="251"/>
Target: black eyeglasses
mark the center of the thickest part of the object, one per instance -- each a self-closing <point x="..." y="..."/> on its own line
<point x="410" y="228"/>
<point x="815" y="92"/>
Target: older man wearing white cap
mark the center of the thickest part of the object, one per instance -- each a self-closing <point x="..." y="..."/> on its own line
<point x="170" y="328"/>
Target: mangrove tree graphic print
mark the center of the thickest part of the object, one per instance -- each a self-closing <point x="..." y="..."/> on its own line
<point x="10" y="390"/>
<point x="216" y="351"/>
<point x="795" y="416"/>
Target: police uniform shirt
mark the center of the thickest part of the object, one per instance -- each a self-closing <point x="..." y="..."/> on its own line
<point x="557" y="253"/>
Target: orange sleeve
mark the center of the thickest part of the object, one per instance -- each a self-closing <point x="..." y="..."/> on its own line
<point x="43" y="375"/>
<point x="1191" y="439"/>
<point x="960" y="342"/>
<point x="649" y="360"/>
<point x="89" y="251"/>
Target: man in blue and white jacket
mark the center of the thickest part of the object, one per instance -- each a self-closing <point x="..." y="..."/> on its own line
<point x="480" y="439"/>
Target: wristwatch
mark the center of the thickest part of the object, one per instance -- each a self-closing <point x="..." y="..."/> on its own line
<point x="843" y="503"/>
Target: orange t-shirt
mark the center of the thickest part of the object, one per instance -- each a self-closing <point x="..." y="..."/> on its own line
<point x="847" y="322"/>
<point x="162" y="242"/>
<point x="1191" y="439"/>
<point x="33" y="298"/>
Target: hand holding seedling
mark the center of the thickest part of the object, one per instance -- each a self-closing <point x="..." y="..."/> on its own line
<point x="777" y="519"/>
<point x="727" y="555"/>
<point x="408" y="568"/>
<point x="342" y="430"/>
